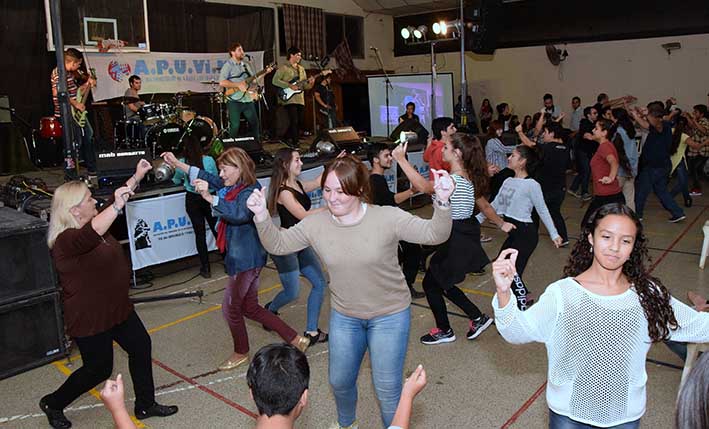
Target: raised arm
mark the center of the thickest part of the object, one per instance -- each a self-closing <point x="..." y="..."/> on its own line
<point x="103" y="221"/>
<point x="275" y="240"/>
<point x="416" y="179"/>
<point x="525" y="140"/>
<point x="642" y="122"/>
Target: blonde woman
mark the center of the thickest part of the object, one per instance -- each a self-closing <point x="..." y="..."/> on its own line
<point x="94" y="275"/>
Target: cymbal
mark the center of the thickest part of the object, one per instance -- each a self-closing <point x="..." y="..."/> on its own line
<point x="209" y="82"/>
<point x="123" y="100"/>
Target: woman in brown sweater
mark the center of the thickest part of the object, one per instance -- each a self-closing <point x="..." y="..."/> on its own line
<point x="94" y="275"/>
<point x="370" y="299"/>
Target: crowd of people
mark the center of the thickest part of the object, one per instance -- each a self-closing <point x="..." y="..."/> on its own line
<point x="372" y="251"/>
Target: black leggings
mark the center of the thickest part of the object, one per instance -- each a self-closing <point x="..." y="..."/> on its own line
<point x="198" y="211"/>
<point x="97" y="357"/>
<point x="409" y="257"/>
<point x="524" y="239"/>
<point x="599" y="201"/>
<point x="434" y="296"/>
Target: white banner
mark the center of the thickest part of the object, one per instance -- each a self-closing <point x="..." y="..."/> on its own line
<point x="159" y="230"/>
<point x="416" y="160"/>
<point x="160" y="72"/>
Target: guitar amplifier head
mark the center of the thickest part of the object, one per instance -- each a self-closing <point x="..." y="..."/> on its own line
<point x="344" y="136"/>
<point x="117" y="164"/>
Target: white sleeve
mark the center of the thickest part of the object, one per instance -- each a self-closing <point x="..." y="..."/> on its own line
<point x="537" y="323"/>
<point x="693" y="325"/>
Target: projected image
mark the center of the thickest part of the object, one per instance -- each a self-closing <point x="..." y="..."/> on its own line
<point x="414" y="88"/>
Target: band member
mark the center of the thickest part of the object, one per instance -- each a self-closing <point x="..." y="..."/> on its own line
<point x="131" y="109"/>
<point x="326" y="107"/>
<point x="232" y="76"/>
<point x="286" y="77"/>
<point x="410" y="109"/>
<point x="83" y="136"/>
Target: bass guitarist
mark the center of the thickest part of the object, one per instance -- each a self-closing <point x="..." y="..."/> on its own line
<point x="233" y="75"/>
<point x="286" y="77"/>
<point x="77" y="81"/>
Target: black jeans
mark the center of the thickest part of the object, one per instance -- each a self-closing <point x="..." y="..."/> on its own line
<point x="198" y="211"/>
<point x="696" y="169"/>
<point x="583" y="168"/>
<point x="524" y="238"/>
<point x="410" y="257"/>
<point x="295" y="111"/>
<point x="554" y="199"/>
<point x="434" y="296"/>
<point x="97" y="357"/>
<point x="250" y="113"/>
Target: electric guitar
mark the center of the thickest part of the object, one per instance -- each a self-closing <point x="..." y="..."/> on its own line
<point x="79" y="116"/>
<point x="248" y="86"/>
<point x="286" y="94"/>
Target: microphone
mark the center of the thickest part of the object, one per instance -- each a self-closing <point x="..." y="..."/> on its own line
<point x="248" y="56"/>
<point x="372" y="48"/>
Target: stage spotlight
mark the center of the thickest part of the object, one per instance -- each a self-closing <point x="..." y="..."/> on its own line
<point x="420" y="32"/>
<point x="407" y="32"/>
<point x="440" y="27"/>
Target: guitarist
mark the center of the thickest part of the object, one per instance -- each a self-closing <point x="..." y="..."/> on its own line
<point x="290" y="72"/>
<point x="83" y="137"/>
<point x="233" y="75"/>
<point x="325" y="98"/>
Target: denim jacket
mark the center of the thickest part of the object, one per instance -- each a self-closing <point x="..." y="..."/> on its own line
<point x="243" y="247"/>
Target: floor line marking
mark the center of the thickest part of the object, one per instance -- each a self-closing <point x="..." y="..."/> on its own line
<point x="538" y="392"/>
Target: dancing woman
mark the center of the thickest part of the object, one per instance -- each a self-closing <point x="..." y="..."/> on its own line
<point x="245" y="257"/>
<point x="94" y="275"/>
<point x="370" y="300"/>
<point x="598" y="323"/>
<point x="288" y="198"/>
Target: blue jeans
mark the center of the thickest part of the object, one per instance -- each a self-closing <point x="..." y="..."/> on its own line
<point x="682" y="184"/>
<point x="85" y="145"/>
<point x="557" y="421"/>
<point x="654" y="179"/>
<point x="289" y="269"/>
<point x="386" y="337"/>
<point x="583" y="167"/>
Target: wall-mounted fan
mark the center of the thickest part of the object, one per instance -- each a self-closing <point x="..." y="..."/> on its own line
<point x="556" y="56"/>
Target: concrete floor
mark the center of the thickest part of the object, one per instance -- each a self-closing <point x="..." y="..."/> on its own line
<point x="485" y="383"/>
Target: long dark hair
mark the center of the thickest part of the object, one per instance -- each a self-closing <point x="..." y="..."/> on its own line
<point x="526" y="127"/>
<point x="623" y="120"/>
<point x="492" y="129"/>
<point x="619" y="145"/>
<point x="530" y="155"/>
<point x="193" y="151"/>
<point x="654" y="296"/>
<point x="279" y="176"/>
<point x="680" y="128"/>
<point x="693" y="401"/>
<point x="474" y="162"/>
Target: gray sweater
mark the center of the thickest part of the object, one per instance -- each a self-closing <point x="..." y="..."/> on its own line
<point x="365" y="278"/>
<point x="517" y="198"/>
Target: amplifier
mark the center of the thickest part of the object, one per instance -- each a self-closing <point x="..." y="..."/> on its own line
<point x="31" y="333"/>
<point x="251" y="147"/>
<point x="115" y="165"/>
<point x="344" y="136"/>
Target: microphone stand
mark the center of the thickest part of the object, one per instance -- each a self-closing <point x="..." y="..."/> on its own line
<point x="387" y="85"/>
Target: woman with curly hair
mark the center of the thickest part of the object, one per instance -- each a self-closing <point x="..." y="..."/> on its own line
<point x="598" y="323"/>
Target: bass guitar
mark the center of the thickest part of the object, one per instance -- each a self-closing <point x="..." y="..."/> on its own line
<point x="248" y="87"/>
<point x="81" y="96"/>
<point x="286" y="94"/>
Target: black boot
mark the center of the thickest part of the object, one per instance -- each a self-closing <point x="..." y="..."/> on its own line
<point x="56" y="418"/>
<point x="416" y="294"/>
<point x="205" y="271"/>
<point x="156" y="410"/>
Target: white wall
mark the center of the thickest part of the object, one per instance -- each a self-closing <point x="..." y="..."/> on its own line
<point x="520" y="76"/>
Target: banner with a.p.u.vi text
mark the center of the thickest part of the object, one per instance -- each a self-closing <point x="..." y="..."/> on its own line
<point x="160" y="72"/>
<point x="159" y="230"/>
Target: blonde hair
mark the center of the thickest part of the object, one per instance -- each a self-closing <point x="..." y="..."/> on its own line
<point x="65" y="197"/>
<point x="237" y="157"/>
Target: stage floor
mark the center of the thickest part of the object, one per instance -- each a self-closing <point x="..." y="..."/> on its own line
<point x="485" y="383"/>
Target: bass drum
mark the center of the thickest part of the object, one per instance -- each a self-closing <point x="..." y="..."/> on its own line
<point x="164" y="138"/>
<point x="203" y="128"/>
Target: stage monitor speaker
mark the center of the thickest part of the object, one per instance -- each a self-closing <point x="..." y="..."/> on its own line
<point x="410" y="125"/>
<point x="25" y="266"/>
<point x="484" y="18"/>
<point x="115" y="165"/>
<point x="31" y="333"/>
<point x="344" y="137"/>
<point x="251" y="147"/>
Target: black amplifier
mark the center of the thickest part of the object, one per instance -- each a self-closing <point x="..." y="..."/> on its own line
<point x="116" y="165"/>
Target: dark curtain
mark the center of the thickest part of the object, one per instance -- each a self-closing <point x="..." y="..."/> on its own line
<point x="304" y="28"/>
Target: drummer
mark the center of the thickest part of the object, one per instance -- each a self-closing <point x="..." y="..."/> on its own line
<point x="130" y="110"/>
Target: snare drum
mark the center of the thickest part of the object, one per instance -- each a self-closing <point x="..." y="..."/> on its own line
<point x="149" y="113"/>
<point x="164" y="138"/>
<point x="50" y="127"/>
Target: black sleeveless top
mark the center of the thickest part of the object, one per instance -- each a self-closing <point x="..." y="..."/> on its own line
<point x="287" y="219"/>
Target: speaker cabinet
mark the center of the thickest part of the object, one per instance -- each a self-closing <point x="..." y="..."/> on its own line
<point x="25" y="265"/>
<point x="484" y="18"/>
<point x="31" y="333"/>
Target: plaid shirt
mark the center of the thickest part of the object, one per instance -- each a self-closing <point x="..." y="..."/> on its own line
<point x="700" y="137"/>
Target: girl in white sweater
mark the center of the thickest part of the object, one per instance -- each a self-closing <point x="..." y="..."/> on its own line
<point x="598" y="323"/>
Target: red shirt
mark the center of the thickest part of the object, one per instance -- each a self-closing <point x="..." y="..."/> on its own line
<point x="601" y="168"/>
<point x="433" y="155"/>
<point x="94" y="275"/>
